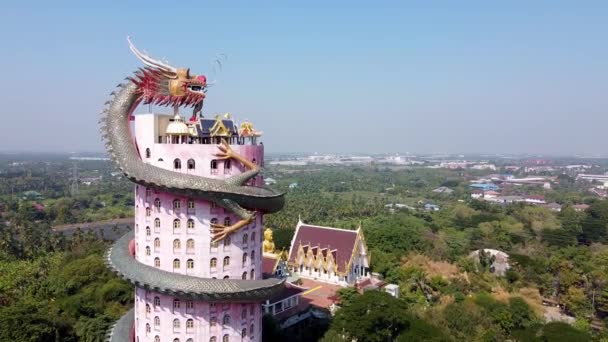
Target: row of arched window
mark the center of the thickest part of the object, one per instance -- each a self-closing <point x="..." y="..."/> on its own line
<point x="190" y="327"/>
<point x="177" y="245"/>
<point x="226" y="337"/>
<point x="176" y="263"/>
<point x="190" y="306"/>
<point x="191" y="164"/>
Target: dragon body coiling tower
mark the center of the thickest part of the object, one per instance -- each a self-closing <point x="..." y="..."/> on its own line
<point x="195" y="253"/>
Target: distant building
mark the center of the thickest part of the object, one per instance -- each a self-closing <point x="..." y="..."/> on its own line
<point x="476" y="194"/>
<point x="500" y="265"/>
<point x="293" y="185"/>
<point x="580" y="207"/>
<point x="399" y="206"/>
<point x="553" y="206"/>
<point x="490" y="194"/>
<point x="31" y="195"/>
<point x="443" y="190"/>
<point x="484" y="186"/>
<point x="535" y="199"/>
<point x="431" y="207"/>
<point x="269" y="181"/>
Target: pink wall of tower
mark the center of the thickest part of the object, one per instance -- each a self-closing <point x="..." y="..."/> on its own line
<point x="173" y="233"/>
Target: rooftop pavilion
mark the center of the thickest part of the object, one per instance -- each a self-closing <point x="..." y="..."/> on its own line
<point x="174" y="129"/>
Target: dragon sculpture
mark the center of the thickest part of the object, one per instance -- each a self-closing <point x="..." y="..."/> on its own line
<point x="162" y="84"/>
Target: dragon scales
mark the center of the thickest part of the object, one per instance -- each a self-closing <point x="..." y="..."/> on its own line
<point x="161" y="84"/>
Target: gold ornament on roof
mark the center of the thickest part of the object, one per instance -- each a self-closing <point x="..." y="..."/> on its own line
<point x="247" y="130"/>
<point x="219" y="129"/>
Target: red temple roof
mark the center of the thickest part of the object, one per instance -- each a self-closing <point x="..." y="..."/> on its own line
<point x="269" y="265"/>
<point x="340" y="243"/>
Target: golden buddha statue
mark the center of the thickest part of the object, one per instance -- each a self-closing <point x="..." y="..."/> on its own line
<point x="268" y="245"/>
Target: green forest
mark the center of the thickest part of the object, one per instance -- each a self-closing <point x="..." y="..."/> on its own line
<point x="57" y="288"/>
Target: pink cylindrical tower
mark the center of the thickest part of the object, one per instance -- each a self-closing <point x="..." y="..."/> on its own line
<point x="189" y="288"/>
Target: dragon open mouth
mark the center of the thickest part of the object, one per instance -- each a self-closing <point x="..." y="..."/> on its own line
<point x="197" y="88"/>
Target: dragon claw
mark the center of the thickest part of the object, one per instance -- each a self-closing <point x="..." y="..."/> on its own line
<point x="219" y="231"/>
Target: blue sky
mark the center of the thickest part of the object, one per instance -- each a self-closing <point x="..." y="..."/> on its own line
<point x="425" y="76"/>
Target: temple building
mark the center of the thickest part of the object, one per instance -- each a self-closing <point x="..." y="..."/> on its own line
<point x="332" y="255"/>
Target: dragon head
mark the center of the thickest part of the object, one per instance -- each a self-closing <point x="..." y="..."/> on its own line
<point x="162" y="84"/>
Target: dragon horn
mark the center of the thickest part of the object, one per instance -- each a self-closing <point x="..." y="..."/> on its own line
<point x="149" y="61"/>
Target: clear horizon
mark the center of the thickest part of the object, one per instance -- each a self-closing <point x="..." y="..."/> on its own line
<point x="424" y="77"/>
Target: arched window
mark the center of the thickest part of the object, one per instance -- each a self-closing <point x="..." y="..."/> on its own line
<point x="147" y="250"/>
<point x="244" y="314"/>
<point x="244" y="259"/>
<point x="148" y="328"/>
<point x="157" y="204"/>
<point x="190" y="224"/>
<point x="227" y="241"/>
<point x="227" y="221"/>
<point x="227" y="261"/>
<point x="213" y="321"/>
<point x="177" y="164"/>
<point x="156" y="338"/>
<point x="214" y="166"/>
<point x="156" y="322"/>
<point x="190" y="323"/>
<point x="176" y="325"/>
<point x="176" y="224"/>
<point x="189" y="340"/>
<point x="157" y="223"/>
<point x="176" y="264"/>
<point x="213" y="262"/>
<point x="177" y="204"/>
<point x="190" y="264"/>
<point x="213" y="220"/>
<point x="190" y="245"/>
<point x="245" y="238"/>
<point x="160" y="160"/>
<point x="244" y="333"/>
<point x="156" y="302"/>
<point x="244" y="276"/>
<point x="176" y="340"/>
<point x="156" y="244"/>
<point x="148" y="192"/>
<point x="213" y="339"/>
<point x="148" y="211"/>
<point x="226" y="338"/>
<point x="147" y="309"/>
<point x="214" y="244"/>
<point x="191" y="164"/>
<point x="252" y="256"/>
<point x="226" y="320"/>
<point x="226" y="277"/>
<point x="253" y="237"/>
<point x="227" y="164"/>
<point x="177" y="245"/>
<point x="176" y="304"/>
<point x="148" y="232"/>
<point x="156" y="262"/>
<point x="252" y="274"/>
<point x="190" y="206"/>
